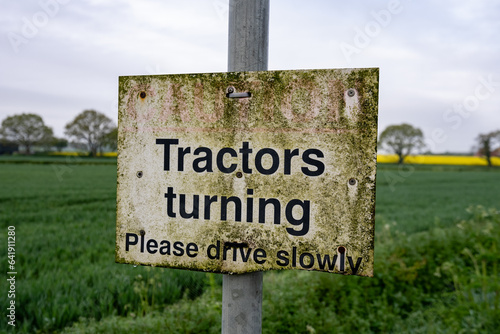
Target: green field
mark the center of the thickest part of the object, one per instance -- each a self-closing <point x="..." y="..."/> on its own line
<point x="437" y="255"/>
<point x="418" y="197"/>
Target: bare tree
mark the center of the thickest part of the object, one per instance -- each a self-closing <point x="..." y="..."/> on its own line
<point x="401" y="140"/>
<point x="90" y="128"/>
<point x="26" y="130"/>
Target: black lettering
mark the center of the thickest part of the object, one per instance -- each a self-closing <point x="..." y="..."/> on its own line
<point x="259" y="253"/>
<point x="208" y="200"/>
<point x="142" y="243"/>
<point x="182" y="209"/>
<point x="262" y="209"/>
<point x="288" y="160"/>
<point x="169" y="195"/>
<point x="245" y="150"/>
<point x="249" y="206"/>
<point x="224" y="251"/>
<point x="180" y="157"/>
<point x="166" y="152"/>
<point x="294" y="257"/>
<point x="326" y="261"/>
<point x="151" y="246"/>
<point x="129" y="242"/>
<point x="237" y="207"/>
<point x="303" y="220"/>
<point x="244" y="256"/>
<point x="207" y="160"/>
<point x="342" y="260"/>
<point x="217" y="251"/>
<point x="320" y="166"/>
<point x="258" y="161"/>
<point x="192" y="249"/>
<point x="178" y="248"/>
<point x="303" y="263"/>
<point x="235" y="253"/>
<point x="220" y="160"/>
<point x="283" y="256"/>
<point x="165" y="247"/>
<point x="354" y="267"/>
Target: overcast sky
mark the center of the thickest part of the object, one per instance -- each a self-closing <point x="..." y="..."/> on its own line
<point x="439" y="60"/>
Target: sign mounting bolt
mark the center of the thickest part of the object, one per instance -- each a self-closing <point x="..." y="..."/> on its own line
<point x="139" y="174"/>
<point x="351" y="92"/>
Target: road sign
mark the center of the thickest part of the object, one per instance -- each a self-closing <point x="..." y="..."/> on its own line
<point x="248" y="171"/>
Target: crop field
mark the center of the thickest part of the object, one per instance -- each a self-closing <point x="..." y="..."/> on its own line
<point x="439" y="160"/>
<point x="436" y="265"/>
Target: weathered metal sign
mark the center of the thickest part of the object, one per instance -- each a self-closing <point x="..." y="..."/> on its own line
<point x="248" y="171"/>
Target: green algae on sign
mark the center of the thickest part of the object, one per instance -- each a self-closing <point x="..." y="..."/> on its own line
<point x="283" y="178"/>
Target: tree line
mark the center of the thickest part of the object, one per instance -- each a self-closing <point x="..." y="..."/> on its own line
<point x="404" y="139"/>
<point x="90" y="130"/>
<point x="93" y="130"/>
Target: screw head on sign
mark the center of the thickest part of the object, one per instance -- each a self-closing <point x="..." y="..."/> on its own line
<point x="352" y="182"/>
<point x="351" y="92"/>
<point x="230" y="90"/>
<point x="139" y="174"/>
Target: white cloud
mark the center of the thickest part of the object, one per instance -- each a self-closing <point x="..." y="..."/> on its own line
<point x="431" y="54"/>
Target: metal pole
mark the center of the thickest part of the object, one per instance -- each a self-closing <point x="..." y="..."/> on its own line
<point x="248" y="49"/>
<point x="248" y="35"/>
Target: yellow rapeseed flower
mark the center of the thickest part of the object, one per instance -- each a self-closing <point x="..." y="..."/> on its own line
<point x="439" y="160"/>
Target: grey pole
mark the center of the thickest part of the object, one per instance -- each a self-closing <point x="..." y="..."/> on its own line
<point x="248" y="35"/>
<point x="248" y="49"/>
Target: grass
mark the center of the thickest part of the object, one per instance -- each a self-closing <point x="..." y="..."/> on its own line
<point x="67" y="160"/>
<point x="436" y="263"/>
<point x="65" y="229"/>
<point x="444" y="280"/>
<point x="416" y="197"/>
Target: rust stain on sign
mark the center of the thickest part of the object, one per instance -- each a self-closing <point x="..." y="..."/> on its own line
<point x="248" y="171"/>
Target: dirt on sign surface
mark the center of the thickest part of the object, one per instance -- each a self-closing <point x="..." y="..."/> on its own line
<point x="248" y="171"/>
